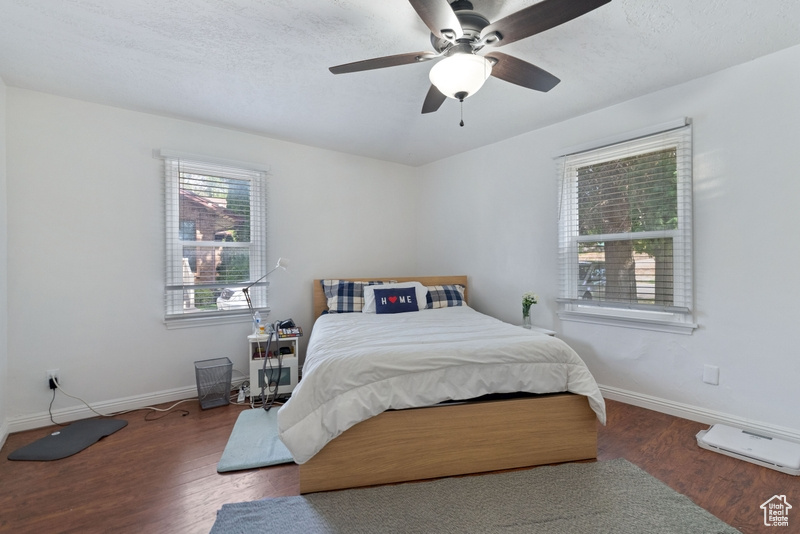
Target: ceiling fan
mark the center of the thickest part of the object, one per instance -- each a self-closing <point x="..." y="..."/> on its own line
<point x="458" y="33"/>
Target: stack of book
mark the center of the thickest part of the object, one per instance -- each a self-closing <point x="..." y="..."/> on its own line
<point x="295" y="331"/>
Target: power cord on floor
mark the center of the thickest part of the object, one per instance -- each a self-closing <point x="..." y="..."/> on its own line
<point x="152" y="408"/>
<point x="183" y="413"/>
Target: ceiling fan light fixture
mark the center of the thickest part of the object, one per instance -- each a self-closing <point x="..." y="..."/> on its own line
<point x="460" y="74"/>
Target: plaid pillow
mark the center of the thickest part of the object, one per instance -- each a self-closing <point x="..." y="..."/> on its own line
<point x="445" y="296"/>
<point x="345" y="296"/>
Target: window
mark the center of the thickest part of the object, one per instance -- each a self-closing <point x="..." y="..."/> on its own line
<point x="625" y="243"/>
<point x="215" y="237"/>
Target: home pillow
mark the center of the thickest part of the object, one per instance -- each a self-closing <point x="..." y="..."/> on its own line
<point x="396" y="300"/>
<point x="345" y="296"/>
<point x="369" y="295"/>
<point x="445" y="296"/>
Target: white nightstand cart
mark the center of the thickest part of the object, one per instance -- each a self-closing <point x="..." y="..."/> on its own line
<point x="288" y="365"/>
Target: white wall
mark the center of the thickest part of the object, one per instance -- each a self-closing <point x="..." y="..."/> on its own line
<point x="499" y="225"/>
<point x="3" y="272"/>
<point x="86" y="247"/>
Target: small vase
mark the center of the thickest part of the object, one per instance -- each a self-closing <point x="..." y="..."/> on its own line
<point x="526" y="321"/>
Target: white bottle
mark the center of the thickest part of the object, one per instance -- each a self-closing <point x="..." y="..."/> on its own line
<point x="257" y="328"/>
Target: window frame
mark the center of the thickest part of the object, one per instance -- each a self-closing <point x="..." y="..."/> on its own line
<point x="175" y="316"/>
<point x="677" y="318"/>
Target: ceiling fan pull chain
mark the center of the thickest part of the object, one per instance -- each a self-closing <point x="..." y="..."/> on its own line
<point x="462" y="113"/>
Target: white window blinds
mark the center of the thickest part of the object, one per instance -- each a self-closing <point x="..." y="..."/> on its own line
<point x="625" y="243"/>
<point x="215" y="238"/>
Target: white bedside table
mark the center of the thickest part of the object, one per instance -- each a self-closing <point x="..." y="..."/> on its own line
<point x="288" y="378"/>
<point x="541" y="330"/>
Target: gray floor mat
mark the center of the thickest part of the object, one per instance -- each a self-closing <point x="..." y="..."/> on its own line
<point x="69" y="440"/>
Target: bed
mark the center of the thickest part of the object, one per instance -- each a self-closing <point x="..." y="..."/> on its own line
<point x="397" y="397"/>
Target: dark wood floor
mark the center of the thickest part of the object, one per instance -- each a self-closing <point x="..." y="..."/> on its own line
<point x="160" y="476"/>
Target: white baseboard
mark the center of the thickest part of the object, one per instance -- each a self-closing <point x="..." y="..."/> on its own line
<point x="695" y="413"/>
<point x="3" y="433"/>
<point x="74" y="413"/>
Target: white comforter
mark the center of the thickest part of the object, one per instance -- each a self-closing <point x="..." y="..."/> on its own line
<point x="359" y="365"/>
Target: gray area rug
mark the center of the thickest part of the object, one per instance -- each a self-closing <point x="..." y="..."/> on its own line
<point x="613" y="496"/>
<point x="254" y="442"/>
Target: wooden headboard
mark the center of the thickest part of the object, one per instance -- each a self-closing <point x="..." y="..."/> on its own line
<point x="321" y="303"/>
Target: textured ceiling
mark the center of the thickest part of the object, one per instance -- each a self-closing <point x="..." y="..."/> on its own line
<point x="262" y="65"/>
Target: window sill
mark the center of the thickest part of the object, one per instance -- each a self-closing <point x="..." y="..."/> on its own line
<point x="194" y="320"/>
<point x="641" y="323"/>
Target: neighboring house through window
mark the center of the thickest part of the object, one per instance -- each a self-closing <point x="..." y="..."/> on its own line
<point x="625" y="232"/>
<point x="215" y="237"/>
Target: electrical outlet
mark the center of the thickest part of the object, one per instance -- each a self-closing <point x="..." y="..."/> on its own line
<point x="711" y="374"/>
<point x="52" y="378"/>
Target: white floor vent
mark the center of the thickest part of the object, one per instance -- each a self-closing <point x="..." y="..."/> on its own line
<point x="778" y="454"/>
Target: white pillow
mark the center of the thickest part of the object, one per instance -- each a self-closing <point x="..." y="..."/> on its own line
<point x="369" y="294"/>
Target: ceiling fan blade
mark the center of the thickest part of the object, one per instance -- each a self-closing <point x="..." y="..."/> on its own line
<point x="439" y="17"/>
<point x="382" y="62"/>
<point x="513" y="70"/>
<point x="433" y="100"/>
<point x="538" y="18"/>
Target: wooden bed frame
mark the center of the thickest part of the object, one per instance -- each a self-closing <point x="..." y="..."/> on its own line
<point x="452" y="439"/>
